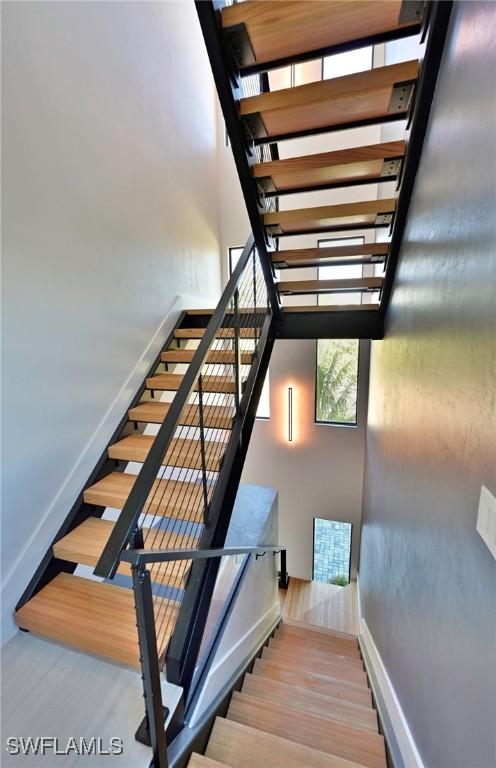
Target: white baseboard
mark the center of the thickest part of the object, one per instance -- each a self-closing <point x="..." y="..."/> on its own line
<point x="401" y="744"/>
<point x="16" y="580"/>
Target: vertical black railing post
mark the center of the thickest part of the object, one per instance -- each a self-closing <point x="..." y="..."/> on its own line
<point x="283" y="573"/>
<point x="237" y="354"/>
<point x="150" y="670"/>
<point x="202" y="448"/>
<point x="255" y="296"/>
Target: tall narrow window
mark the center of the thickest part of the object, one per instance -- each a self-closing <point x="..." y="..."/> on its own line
<point x="336" y="385"/>
<point x="340" y="272"/>
<point x="336" y="376"/>
<point x="263" y="410"/>
<point x="234" y="256"/>
<point x="331" y="551"/>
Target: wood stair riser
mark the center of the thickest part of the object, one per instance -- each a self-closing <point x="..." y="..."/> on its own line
<point x="240" y="746"/>
<point x="310" y="702"/>
<point x="362" y="747"/>
<point x="328" y="686"/>
<point x="167" y="499"/>
<point x="334" y="669"/>
<point x="154" y="412"/>
<point x="183" y="453"/>
<point x="172" y="381"/>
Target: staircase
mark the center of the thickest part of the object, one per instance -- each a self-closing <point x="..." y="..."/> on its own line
<point x="306" y="702"/>
<point x="95" y="615"/>
<point x="131" y="573"/>
<point x="246" y="42"/>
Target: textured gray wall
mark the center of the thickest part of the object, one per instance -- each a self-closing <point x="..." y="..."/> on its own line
<point x="428" y="582"/>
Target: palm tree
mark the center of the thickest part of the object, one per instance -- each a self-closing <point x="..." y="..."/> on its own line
<point x="337" y="380"/>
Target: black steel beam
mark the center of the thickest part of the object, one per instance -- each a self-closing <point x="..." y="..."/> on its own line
<point x="346" y="324"/>
<point x="228" y="86"/>
<point x="426" y="86"/>
<point x="331" y="50"/>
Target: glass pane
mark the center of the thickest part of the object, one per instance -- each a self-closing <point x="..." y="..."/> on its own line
<point x="331" y="551"/>
<point x="339" y="272"/>
<point x="337" y="381"/>
<point x="230" y="570"/>
<point x="347" y="63"/>
<point x="263" y="410"/>
<point x="234" y="256"/>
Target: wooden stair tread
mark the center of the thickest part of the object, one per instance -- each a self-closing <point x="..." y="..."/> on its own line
<point x="240" y="746"/>
<point x="154" y="412"/>
<point x="333" y="641"/>
<point x="177" y="499"/>
<point x="181" y="452"/>
<point x="330" y="286"/>
<point x="90" y="616"/>
<point x="376" y="162"/>
<point x="338" y="689"/>
<point x="280" y="30"/>
<point x="316" y="654"/>
<point x="85" y="543"/>
<point x="335" y="668"/>
<point x="358" y="745"/>
<point x="311" y="702"/>
<point x="344" y="215"/>
<point x="222" y="333"/>
<point x="345" y="254"/>
<point x="213" y="357"/>
<point x="332" y="307"/>
<point x="333" y="103"/>
<point x="200" y="761"/>
<point x="172" y="382"/>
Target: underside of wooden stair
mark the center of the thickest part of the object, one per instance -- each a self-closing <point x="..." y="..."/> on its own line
<point x="291" y="46"/>
<point x="306" y="702"/>
<point x="99" y="617"/>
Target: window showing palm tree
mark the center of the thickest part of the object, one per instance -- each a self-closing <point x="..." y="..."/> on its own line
<point x="336" y="381"/>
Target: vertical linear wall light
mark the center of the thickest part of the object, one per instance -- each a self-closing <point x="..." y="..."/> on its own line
<point x="290" y="414"/>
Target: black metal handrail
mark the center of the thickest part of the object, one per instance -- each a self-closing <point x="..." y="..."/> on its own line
<point x="140" y="557"/>
<point x="125" y="527"/>
<point x="147" y="636"/>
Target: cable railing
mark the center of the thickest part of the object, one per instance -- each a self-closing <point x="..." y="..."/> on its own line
<point x="170" y="504"/>
<point x="143" y="562"/>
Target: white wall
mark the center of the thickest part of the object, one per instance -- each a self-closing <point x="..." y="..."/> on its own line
<point x="320" y="473"/>
<point x="110" y="211"/>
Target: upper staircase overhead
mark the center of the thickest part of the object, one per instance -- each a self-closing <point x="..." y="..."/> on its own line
<point x="255" y="50"/>
<point x="264" y="35"/>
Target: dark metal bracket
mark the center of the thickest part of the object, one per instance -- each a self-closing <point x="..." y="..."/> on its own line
<point x="412" y="11"/>
<point x="238" y="41"/>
